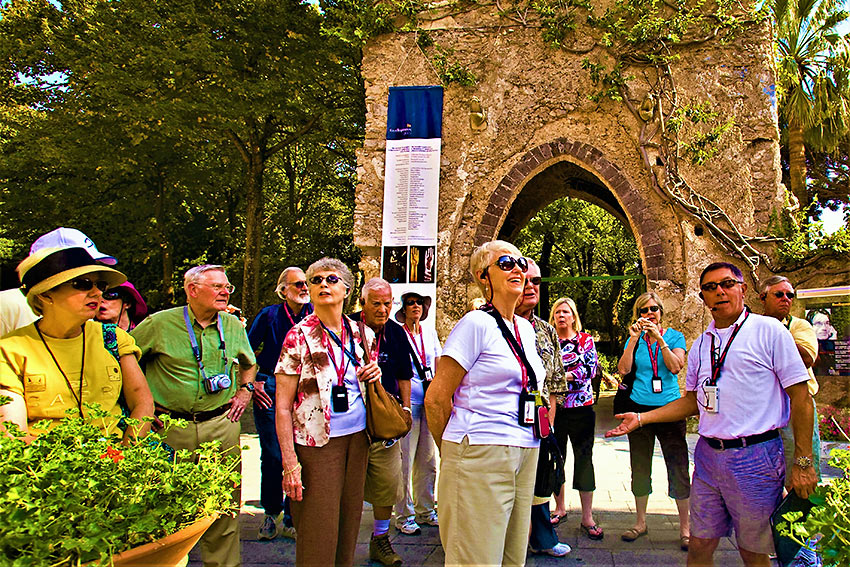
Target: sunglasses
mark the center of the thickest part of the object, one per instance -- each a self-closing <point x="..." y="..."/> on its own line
<point x="535" y="280"/>
<point x="299" y="284"/>
<point x="507" y="263"/>
<point x="332" y="279"/>
<point x="781" y="294"/>
<point x="725" y="284"/>
<point x="645" y="310"/>
<point x="85" y="284"/>
<point x="414" y="301"/>
<point x="111" y="294"/>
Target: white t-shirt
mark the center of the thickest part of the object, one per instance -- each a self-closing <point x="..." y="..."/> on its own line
<point x="427" y="337"/>
<point x="761" y="362"/>
<point x="486" y="404"/>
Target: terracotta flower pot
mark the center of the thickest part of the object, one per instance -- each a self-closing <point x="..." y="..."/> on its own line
<point x="166" y="552"/>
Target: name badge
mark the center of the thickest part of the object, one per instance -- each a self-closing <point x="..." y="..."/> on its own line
<point x="526" y="408"/>
<point x="339" y="399"/>
<point x="712" y="395"/>
<point x="656" y="385"/>
<point x="429" y="374"/>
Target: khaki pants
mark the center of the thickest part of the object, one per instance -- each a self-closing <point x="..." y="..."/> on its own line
<point x="220" y="543"/>
<point x="485" y="502"/>
<point x="327" y="518"/>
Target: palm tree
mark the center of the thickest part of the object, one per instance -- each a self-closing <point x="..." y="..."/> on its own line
<point x="814" y="87"/>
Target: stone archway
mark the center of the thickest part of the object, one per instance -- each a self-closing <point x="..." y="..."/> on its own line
<point x="627" y="204"/>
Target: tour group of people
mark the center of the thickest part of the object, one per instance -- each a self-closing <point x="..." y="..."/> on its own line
<point x="78" y="333"/>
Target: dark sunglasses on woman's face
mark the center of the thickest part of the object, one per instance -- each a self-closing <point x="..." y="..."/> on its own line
<point x="506" y="263"/>
<point x="111" y="294"/>
<point x="645" y="310"/>
<point x="85" y="284"/>
<point x="414" y="301"/>
<point x="781" y="294"/>
<point x="332" y="279"/>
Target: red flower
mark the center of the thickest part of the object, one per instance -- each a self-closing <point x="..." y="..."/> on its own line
<point x="113" y="454"/>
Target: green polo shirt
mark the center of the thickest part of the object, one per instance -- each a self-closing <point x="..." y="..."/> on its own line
<point x="170" y="366"/>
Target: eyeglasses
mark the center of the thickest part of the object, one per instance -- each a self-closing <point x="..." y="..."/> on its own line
<point x="535" y="280"/>
<point x="299" y="284"/>
<point x="85" y="284"/>
<point x="781" y="294"/>
<point x="725" y="284"/>
<point x="111" y="294"/>
<point x="645" y="310"/>
<point x="414" y="301"/>
<point x="332" y="279"/>
<point x="218" y="288"/>
<point x="507" y="263"/>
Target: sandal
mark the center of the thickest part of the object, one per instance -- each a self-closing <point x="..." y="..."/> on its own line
<point x="632" y="534"/>
<point x="593" y="532"/>
<point x="556" y="518"/>
<point x="684" y="542"/>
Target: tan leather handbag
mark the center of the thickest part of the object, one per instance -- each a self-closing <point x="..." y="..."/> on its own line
<point x="385" y="418"/>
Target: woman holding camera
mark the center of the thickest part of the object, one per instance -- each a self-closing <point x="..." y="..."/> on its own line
<point x="321" y="420"/>
<point x="655" y="355"/>
<point x="478" y="409"/>
<point x="62" y="361"/>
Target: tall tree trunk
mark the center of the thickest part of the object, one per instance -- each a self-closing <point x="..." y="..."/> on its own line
<point x="254" y="208"/>
<point x="797" y="164"/>
<point x="165" y="247"/>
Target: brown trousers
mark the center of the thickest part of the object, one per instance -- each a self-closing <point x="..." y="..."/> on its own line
<point x="327" y="519"/>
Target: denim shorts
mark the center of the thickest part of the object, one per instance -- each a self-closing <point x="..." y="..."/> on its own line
<point x="737" y="488"/>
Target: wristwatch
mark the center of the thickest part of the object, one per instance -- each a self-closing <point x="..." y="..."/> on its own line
<point x="249" y="386"/>
<point x="803" y="462"/>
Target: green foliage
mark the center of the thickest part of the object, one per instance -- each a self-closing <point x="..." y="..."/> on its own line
<point x="828" y="521"/>
<point x="73" y="495"/>
<point x="610" y="83"/>
<point x="704" y="128"/>
<point x="450" y="70"/>
<point x="803" y="239"/>
<point x="571" y="237"/>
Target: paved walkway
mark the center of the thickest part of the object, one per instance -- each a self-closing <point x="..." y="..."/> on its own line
<point x="613" y="510"/>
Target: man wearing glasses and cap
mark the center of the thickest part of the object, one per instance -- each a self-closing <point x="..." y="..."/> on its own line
<point x="188" y="353"/>
<point x="739" y="467"/>
<point x="777" y="295"/>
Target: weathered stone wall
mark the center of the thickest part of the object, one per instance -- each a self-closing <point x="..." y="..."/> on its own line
<point x="538" y="115"/>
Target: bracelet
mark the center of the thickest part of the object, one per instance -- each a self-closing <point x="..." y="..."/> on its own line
<point x="294" y="470"/>
<point x="665" y="346"/>
<point x="407" y="409"/>
<point x="639" y="423"/>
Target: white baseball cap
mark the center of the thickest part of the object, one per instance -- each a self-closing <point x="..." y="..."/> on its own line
<point x="70" y="238"/>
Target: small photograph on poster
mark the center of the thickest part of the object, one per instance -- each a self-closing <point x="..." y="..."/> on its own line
<point x="395" y="264"/>
<point x="422" y="264"/>
<point x="832" y="329"/>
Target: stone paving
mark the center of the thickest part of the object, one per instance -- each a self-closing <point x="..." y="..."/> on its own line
<point x="613" y="511"/>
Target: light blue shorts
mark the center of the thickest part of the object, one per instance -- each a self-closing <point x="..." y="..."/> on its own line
<point x="737" y="488"/>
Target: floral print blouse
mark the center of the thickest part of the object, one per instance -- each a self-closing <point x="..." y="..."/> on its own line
<point x="579" y="357"/>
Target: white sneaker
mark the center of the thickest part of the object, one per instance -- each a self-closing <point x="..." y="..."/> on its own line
<point x="431" y="520"/>
<point x="559" y="550"/>
<point x="410" y="527"/>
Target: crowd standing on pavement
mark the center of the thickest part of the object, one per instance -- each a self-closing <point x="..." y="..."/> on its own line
<point x="76" y="331"/>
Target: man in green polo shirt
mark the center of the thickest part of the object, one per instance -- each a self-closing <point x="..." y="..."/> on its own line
<point x="200" y="367"/>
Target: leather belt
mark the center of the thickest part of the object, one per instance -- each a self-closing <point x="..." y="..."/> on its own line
<point x="722" y="444"/>
<point x="198" y="417"/>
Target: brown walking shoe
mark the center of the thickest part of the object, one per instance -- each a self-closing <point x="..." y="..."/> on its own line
<point x="381" y="551"/>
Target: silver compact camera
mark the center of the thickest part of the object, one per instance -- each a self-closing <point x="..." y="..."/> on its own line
<point x="217" y="383"/>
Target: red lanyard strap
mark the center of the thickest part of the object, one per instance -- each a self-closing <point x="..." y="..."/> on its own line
<point x="344" y="360"/>
<point x="717" y="363"/>
<point x="420" y="353"/>
<point x="653" y="358"/>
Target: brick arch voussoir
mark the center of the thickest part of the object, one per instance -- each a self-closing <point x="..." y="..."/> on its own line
<point x="644" y="223"/>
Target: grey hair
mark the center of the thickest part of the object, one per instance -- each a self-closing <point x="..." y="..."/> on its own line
<point x="480" y="258"/>
<point x="772" y="281"/>
<point x="374" y="284"/>
<point x="281" y="280"/>
<point x="332" y="265"/>
<point x="194" y="274"/>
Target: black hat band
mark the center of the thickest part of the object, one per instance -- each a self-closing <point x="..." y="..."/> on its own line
<point x="55" y="263"/>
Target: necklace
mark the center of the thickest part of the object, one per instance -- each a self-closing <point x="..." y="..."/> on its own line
<point x="79" y="399"/>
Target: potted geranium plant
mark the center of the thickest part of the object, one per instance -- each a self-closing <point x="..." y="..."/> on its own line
<point x="73" y="496"/>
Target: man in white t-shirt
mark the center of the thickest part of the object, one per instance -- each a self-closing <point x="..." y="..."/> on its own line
<point x="744" y="379"/>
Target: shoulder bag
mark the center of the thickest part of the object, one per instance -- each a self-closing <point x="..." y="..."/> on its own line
<point x="385" y="418"/>
<point x="623" y="397"/>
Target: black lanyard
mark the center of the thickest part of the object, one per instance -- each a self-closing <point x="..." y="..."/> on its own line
<point x="717" y="362"/>
<point x="79" y="400"/>
<point x="194" y="341"/>
<point x="528" y="375"/>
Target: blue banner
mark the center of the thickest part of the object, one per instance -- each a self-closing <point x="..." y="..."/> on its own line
<point x="415" y="112"/>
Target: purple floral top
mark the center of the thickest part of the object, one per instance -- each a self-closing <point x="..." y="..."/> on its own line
<point x="579" y="357"/>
